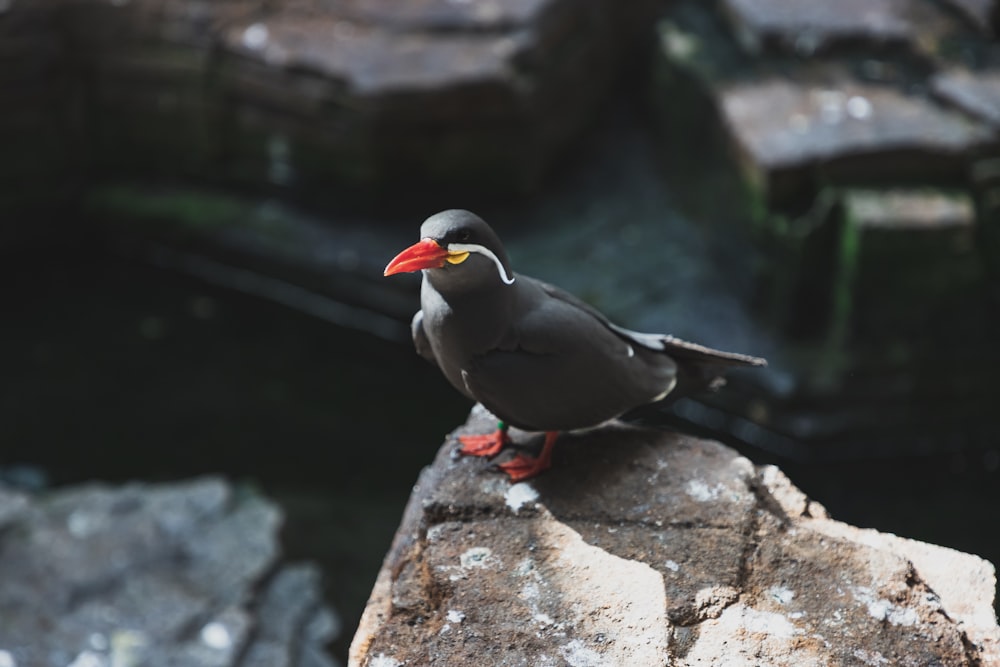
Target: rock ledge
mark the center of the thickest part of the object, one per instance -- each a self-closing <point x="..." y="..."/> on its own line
<point x="645" y="547"/>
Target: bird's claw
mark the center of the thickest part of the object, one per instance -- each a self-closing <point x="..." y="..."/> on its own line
<point x="523" y="467"/>
<point x="489" y="444"/>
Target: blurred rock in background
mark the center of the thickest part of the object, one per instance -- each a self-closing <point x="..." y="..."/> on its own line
<point x="853" y="145"/>
<point x="188" y="573"/>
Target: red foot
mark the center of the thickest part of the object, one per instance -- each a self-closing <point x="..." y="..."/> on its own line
<point x="523" y="467"/>
<point x="489" y="444"/>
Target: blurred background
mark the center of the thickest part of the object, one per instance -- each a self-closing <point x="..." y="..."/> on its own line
<point x="198" y="198"/>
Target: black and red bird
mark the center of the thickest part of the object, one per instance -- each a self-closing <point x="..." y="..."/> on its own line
<point x="534" y="355"/>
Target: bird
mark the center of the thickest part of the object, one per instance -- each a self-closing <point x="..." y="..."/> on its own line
<point x="537" y="357"/>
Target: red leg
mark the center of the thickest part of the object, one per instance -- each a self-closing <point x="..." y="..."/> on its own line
<point x="489" y="444"/>
<point x="523" y="467"/>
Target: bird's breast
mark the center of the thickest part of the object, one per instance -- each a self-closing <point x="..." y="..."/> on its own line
<point x="461" y="330"/>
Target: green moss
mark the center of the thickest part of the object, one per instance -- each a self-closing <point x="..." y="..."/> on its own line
<point x="182" y="209"/>
<point x="801" y="266"/>
<point x="848" y="250"/>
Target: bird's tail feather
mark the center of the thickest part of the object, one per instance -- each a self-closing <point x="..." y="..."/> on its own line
<point x="682" y="350"/>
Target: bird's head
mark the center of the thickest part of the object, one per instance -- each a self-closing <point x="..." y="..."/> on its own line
<point x="456" y="247"/>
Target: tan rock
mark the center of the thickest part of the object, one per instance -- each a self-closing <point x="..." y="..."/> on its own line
<point x="645" y="547"/>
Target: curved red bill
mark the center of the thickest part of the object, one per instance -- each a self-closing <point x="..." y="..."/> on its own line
<point x="425" y="254"/>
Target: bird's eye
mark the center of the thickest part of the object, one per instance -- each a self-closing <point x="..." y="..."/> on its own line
<point x="464" y="235"/>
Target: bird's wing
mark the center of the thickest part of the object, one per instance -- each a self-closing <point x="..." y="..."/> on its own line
<point x="563" y="295"/>
<point x="671" y="345"/>
<point x="562" y="367"/>
<point x="420" y="337"/>
<point x="648" y="340"/>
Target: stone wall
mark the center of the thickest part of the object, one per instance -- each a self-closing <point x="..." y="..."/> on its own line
<point x="303" y="97"/>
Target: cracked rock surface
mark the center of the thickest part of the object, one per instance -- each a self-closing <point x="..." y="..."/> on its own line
<point x="185" y="574"/>
<point x="647" y="547"/>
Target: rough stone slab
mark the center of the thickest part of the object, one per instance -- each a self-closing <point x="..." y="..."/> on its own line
<point x="964" y="583"/>
<point x="174" y="574"/>
<point x="535" y="590"/>
<point x="807" y="27"/>
<point x="371" y="60"/>
<point x="478" y="15"/>
<point x="782" y="124"/>
<point x="852" y="131"/>
<point x="792" y="125"/>
<point x="976" y="93"/>
<point x="569" y="569"/>
<point x="700" y="568"/>
<point x="627" y="483"/>
<point x="810" y="590"/>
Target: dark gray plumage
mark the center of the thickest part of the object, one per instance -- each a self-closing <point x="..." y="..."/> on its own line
<point x="534" y="355"/>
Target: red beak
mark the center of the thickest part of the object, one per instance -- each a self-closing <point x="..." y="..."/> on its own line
<point x="425" y="254"/>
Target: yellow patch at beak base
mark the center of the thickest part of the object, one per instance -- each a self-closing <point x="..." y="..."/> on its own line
<point x="457" y="258"/>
